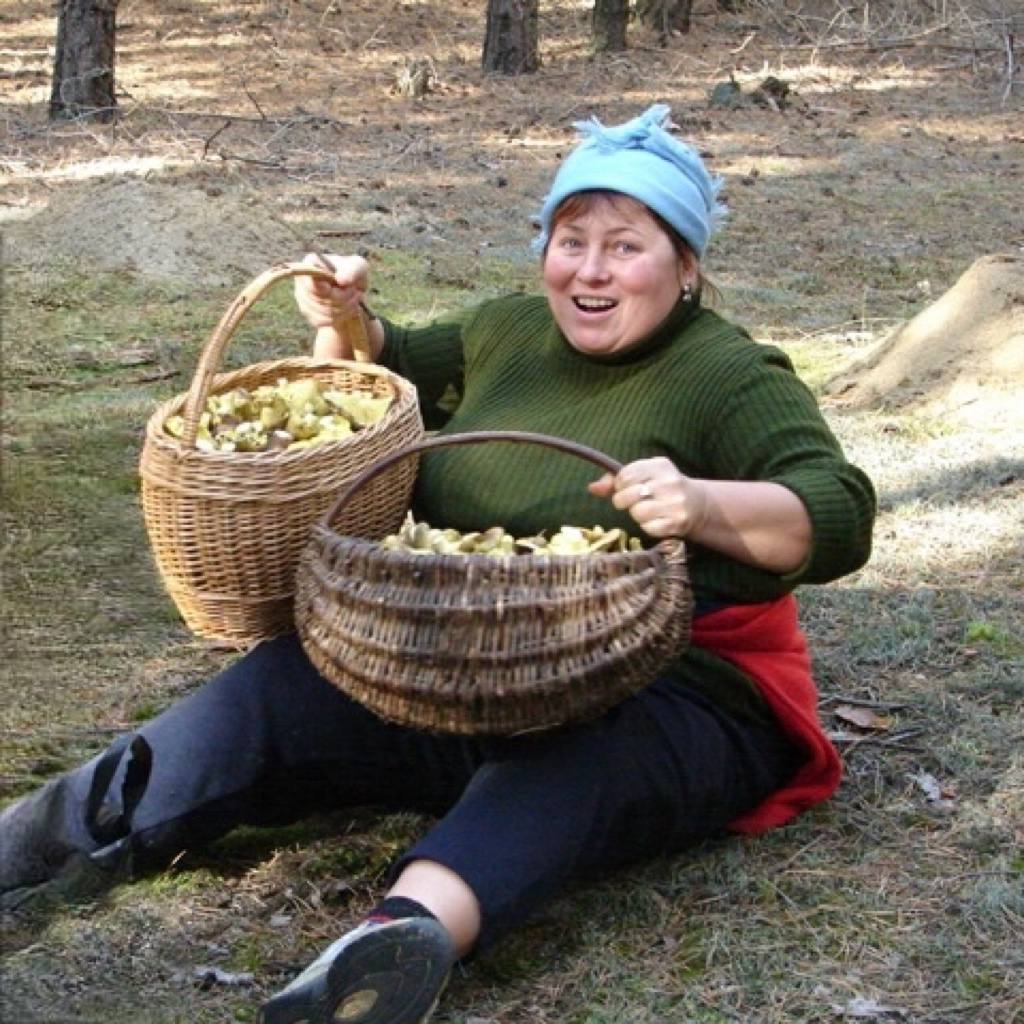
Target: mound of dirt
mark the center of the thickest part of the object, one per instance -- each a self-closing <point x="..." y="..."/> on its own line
<point x="963" y="356"/>
<point x="168" y="231"/>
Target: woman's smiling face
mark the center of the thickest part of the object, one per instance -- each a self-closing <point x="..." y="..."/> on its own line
<point x="611" y="273"/>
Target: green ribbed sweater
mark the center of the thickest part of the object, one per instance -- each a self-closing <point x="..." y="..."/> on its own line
<point x="699" y="390"/>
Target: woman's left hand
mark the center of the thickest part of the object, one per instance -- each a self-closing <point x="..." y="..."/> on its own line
<point x="663" y="501"/>
<point x="756" y="522"/>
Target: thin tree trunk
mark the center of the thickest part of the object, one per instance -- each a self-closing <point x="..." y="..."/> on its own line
<point x="608" y="23"/>
<point x="83" y="68"/>
<point x="510" y="43"/>
<point x="665" y="16"/>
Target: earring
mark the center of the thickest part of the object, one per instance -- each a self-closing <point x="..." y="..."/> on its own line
<point x="687" y="292"/>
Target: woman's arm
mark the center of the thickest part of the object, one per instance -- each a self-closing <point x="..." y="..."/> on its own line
<point x="330" y="343"/>
<point x="430" y="356"/>
<point x="758" y="523"/>
<point x="770" y="488"/>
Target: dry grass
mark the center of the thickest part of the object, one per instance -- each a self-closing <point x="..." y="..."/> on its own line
<point x="891" y="172"/>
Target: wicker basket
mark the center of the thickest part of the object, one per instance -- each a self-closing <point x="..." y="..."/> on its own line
<point x="476" y="645"/>
<point x="227" y="528"/>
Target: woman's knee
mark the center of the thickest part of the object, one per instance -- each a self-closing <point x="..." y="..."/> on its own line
<point x="249" y="686"/>
<point x="267" y="667"/>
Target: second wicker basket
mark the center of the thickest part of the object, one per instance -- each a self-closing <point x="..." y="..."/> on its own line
<point x="476" y="645"/>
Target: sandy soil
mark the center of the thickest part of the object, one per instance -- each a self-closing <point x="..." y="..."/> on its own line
<point x="962" y="356"/>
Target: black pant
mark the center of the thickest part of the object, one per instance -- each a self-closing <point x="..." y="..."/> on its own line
<point x="269" y="740"/>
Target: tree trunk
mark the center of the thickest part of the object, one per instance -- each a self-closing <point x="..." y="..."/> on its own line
<point x="83" y="69"/>
<point x="665" y="16"/>
<point x="608" y="23"/>
<point x="510" y="45"/>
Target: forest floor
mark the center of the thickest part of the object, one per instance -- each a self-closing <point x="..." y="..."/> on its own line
<point x="250" y="132"/>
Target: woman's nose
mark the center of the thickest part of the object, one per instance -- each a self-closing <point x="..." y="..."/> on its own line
<point x="594" y="266"/>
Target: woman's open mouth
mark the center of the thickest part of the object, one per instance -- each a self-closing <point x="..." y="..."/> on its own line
<point x="587" y="304"/>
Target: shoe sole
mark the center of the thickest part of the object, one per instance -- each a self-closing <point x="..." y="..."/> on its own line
<point x="393" y="975"/>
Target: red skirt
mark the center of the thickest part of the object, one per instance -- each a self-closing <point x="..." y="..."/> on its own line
<point x="766" y="643"/>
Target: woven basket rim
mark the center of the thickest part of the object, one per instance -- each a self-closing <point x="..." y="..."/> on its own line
<point x="169" y="445"/>
<point x="403" y="558"/>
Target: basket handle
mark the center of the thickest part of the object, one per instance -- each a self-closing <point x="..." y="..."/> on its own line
<point x="353" y="326"/>
<point x="605" y="462"/>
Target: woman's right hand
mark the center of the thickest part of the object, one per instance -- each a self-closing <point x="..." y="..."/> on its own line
<point x="327" y="305"/>
<point x="323" y="303"/>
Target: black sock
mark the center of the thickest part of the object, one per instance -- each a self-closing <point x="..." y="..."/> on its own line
<point x="393" y="908"/>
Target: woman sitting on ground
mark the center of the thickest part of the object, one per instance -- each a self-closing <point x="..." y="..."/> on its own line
<point x="720" y="444"/>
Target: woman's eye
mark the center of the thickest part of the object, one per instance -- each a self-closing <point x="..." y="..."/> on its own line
<point x="626" y="248"/>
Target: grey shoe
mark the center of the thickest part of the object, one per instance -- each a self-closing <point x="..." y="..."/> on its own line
<point x="38" y="836"/>
<point x="390" y="972"/>
<point x="76" y="830"/>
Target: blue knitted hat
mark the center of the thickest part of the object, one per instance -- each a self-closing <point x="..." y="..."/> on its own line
<point x="640" y="159"/>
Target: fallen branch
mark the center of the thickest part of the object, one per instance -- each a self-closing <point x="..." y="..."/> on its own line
<point x="1010" y="66"/>
<point x="342" y="232"/>
<point x="275" y="165"/>
<point x="54" y="384"/>
<point x="874" y="705"/>
<point x="206" y="144"/>
<point x="145" y="378"/>
<point x="883" y="739"/>
<point x="746" y="42"/>
<point x="252" y="100"/>
<point x="895" y="44"/>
